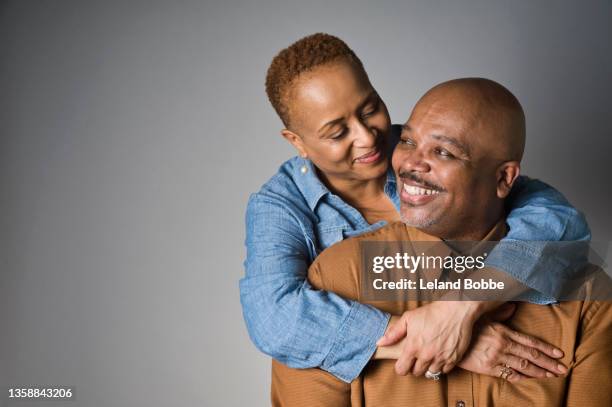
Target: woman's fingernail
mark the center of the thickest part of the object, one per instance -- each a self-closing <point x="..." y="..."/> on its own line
<point x="562" y="368"/>
<point x="558" y="353"/>
<point x="548" y="374"/>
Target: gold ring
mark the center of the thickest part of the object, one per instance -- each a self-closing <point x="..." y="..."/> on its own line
<point x="505" y="371"/>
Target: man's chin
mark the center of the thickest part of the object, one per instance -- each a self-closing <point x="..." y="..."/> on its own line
<point x="419" y="221"/>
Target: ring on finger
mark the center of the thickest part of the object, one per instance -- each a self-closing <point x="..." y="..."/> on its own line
<point x="506" y="371"/>
<point x="433" y="375"/>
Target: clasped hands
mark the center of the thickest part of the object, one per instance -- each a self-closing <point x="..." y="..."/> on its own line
<point x="444" y="334"/>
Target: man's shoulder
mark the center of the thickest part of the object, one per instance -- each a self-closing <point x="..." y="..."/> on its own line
<point x="391" y="231"/>
<point x="395" y="231"/>
<point x="349" y="248"/>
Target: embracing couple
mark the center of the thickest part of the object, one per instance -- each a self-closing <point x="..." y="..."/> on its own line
<point x="450" y="173"/>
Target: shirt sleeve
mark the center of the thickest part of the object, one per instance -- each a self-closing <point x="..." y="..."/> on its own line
<point x="286" y="318"/>
<point x="539" y="218"/>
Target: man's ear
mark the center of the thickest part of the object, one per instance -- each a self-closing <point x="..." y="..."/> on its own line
<point x="507" y="173"/>
<point x="296" y="141"/>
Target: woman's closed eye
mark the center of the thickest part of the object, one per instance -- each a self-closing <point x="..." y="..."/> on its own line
<point x="370" y="109"/>
<point x="338" y="134"/>
<point x="369" y="112"/>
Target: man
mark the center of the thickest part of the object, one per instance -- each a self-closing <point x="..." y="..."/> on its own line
<point x="458" y="158"/>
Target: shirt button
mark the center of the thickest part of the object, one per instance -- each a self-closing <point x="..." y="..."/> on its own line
<point x="460" y="403"/>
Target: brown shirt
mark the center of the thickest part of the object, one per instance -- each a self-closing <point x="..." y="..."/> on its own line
<point x="583" y="330"/>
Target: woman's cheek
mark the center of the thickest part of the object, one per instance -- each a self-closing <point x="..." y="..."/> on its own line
<point x="339" y="153"/>
<point x="333" y="157"/>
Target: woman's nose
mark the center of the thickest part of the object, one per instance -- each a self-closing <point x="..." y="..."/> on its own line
<point x="365" y="136"/>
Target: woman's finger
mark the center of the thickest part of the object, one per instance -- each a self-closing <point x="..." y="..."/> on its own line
<point x="404" y="364"/>
<point x="513" y="376"/>
<point x="421" y="366"/>
<point x="436" y="367"/>
<point x="532" y="342"/>
<point x="447" y="368"/>
<point x="525" y="367"/>
<point x="394" y="334"/>
<point x="536" y="357"/>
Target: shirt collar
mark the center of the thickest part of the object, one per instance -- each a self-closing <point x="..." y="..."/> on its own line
<point x="306" y="179"/>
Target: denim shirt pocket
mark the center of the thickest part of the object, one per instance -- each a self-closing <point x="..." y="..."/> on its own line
<point x="328" y="233"/>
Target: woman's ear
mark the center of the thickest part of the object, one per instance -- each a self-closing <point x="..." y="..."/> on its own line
<point x="507" y="173"/>
<point x="296" y="141"/>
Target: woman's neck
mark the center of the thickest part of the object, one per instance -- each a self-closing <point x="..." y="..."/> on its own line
<point x="357" y="193"/>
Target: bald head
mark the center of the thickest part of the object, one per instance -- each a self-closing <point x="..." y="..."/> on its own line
<point x="459" y="157"/>
<point x="484" y="108"/>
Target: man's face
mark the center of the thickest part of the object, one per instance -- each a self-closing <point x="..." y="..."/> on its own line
<point x="342" y="123"/>
<point x="445" y="180"/>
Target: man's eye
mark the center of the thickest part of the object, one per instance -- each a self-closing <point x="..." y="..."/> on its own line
<point x="444" y="153"/>
<point x="408" y="142"/>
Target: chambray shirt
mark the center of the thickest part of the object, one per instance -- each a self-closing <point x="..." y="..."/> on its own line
<point x="294" y="217"/>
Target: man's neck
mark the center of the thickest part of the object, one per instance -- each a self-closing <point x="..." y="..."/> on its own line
<point x="492" y="228"/>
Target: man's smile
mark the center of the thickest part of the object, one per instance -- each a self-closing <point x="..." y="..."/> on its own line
<point x="417" y="194"/>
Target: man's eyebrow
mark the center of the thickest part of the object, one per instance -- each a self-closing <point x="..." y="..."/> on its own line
<point x="371" y="96"/>
<point x="464" y="149"/>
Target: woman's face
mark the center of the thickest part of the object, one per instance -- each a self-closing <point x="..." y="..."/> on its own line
<point x="339" y="122"/>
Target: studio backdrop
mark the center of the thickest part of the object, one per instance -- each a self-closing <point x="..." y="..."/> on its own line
<point x="133" y="132"/>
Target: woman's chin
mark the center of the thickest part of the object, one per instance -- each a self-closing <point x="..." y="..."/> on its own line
<point x="374" y="171"/>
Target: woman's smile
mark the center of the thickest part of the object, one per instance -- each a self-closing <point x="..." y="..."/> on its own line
<point x="369" y="158"/>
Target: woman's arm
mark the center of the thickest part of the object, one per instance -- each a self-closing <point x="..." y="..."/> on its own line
<point x="493" y="344"/>
<point x="285" y="317"/>
<point x="539" y="218"/>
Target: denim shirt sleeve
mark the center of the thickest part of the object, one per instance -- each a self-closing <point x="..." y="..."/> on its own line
<point x="539" y="217"/>
<point x="286" y="318"/>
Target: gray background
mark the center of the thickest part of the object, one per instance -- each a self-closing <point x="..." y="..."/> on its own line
<point x="131" y="134"/>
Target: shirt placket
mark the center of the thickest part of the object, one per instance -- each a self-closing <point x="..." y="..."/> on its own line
<point x="460" y="389"/>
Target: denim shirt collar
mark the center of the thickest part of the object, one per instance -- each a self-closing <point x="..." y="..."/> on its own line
<point x="313" y="189"/>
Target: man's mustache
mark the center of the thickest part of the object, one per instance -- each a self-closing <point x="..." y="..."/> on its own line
<point x="413" y="177"/>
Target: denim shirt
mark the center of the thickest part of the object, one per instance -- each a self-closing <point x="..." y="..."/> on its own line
<point x="294" y="217"/>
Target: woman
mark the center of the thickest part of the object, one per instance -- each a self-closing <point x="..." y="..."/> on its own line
<point x="341" y="186"/>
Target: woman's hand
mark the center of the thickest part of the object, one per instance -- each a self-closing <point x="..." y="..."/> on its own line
<point x="495" y="345"/>
<point x="435" y="336"/>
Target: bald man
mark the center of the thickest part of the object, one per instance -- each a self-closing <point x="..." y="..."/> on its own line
<point x="466" y="138"/>
<point x="457" y="160"/>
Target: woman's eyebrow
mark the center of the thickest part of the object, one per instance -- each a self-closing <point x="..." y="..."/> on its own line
<point x="370" y="98"/>
<point x="330" y="124"/>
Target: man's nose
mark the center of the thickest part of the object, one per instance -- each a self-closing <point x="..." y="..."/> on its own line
<point x="411" y="160"/>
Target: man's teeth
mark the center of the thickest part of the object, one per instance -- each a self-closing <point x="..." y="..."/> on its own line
<point x="412" y="190"/>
